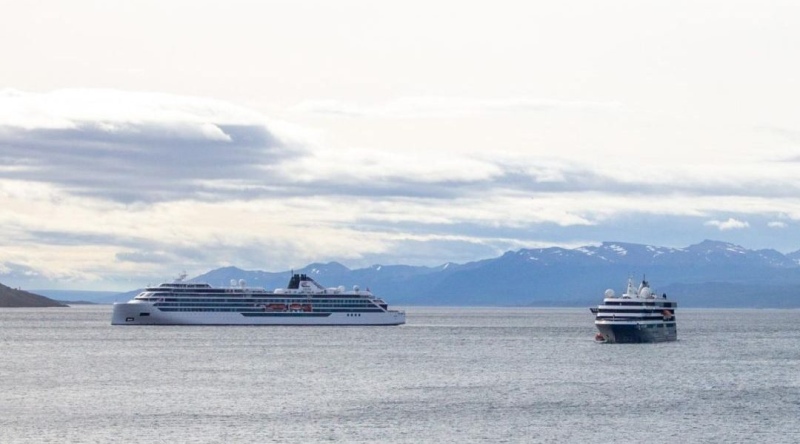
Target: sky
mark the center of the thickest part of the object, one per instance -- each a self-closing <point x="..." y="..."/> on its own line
<point x="139" y="139"/>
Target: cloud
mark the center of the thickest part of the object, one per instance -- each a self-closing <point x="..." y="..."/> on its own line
<point x="730" y="224"/>
<point x="132" y="147"/>
<point x="65" y="108"/>
<point x="150" y="257"/>
<point x="143" y="147"/>
<point x="106" y="183"/>
<point x="777" y="224"/>
<point x="445" y="107"/>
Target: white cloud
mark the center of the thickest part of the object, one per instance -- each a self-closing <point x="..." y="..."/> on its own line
<point x="373" y="167"/>
<point x="115" y="109"/>
<point x="730" y="224"/>
<point x="127" y="146"/>
<point x="101" y="183"/>
<point x="777" y="224"/>
<point x="444" y="107"/>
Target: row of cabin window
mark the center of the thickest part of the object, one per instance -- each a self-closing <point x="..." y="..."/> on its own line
<point x="258" y="310"/>
<point x="263" y="301"/>
<point x="647" y="304"/>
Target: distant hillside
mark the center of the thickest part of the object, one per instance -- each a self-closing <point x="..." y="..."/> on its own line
<point x="708" y="274"/>
<point x="83" y="296"/>
<point x="10" y="297"/>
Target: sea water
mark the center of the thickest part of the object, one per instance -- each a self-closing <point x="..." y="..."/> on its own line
<point x="449" y="375"/>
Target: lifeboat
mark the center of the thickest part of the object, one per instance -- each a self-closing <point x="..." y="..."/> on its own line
<point x="276" y="307"/>
<point x="295" y="307"/>
<point x="307" y="307"/>
<point x="667" y="314"/>
<point x="599" y="338"/>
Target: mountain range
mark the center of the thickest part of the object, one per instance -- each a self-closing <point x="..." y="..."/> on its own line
<point x="707" y="274"/>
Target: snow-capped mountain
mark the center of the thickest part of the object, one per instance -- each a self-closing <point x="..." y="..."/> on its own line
<point x="710" y="273"/>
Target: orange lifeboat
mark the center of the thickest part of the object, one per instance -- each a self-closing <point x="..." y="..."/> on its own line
<point x="295" y="307"/>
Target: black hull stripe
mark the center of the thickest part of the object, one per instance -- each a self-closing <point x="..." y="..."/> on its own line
<point x="633" y="334"/>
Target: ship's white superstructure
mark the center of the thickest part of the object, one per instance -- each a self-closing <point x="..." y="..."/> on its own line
<point x="637" y="316"/>
<point x="303" y="302"/>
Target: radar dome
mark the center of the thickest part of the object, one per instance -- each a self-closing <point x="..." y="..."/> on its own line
<point x="646" y="293"/>
<point x="609" y="293"/>
<point x="355" y="288"/>
<point x="241" y="283"/>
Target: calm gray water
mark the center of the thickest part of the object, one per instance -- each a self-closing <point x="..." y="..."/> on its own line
<point x="449" y="375"/>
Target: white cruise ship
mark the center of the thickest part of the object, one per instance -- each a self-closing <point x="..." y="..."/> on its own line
<point x="637" y="316"/>
<point x="303" y="302"/>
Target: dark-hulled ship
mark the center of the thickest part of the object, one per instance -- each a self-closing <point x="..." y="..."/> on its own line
<point x="637" y="316"/>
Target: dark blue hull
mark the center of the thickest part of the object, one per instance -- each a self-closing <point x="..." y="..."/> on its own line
<point x="638" y="333"/>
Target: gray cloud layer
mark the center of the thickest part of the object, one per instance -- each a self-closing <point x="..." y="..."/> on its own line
<point x="146" y="162"/>
<point x="239" y="190"/>
<point x="140" y="162"/>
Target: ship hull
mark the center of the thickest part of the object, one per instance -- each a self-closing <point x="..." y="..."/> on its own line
<point x="637" y="333"/>
<point x="134" y="313"/>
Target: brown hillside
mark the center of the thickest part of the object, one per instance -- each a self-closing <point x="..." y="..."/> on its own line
<point x="18" y="298"/>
